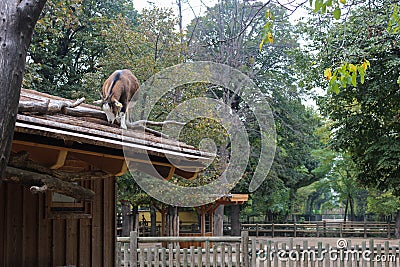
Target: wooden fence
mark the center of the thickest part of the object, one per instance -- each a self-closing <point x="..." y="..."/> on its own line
<point x="322" y="229"/>
<point x="343" y="254"/>
<point x="167" y="251"/>
<point x="242" y="251"/>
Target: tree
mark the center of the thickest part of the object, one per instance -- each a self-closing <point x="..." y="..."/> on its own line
<point x="18" y="21"/>
<point x="228" y="33"/>
<point x="68" y="44"/>
<point x="364" y="115"/>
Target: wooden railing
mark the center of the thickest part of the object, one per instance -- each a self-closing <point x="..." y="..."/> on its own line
<point x="322" y="229"/>
<point x="244" y="252"/>
<point x="166" y="251"/>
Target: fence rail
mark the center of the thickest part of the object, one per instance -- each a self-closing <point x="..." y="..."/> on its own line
<point x="245" y="252"/>
<point x="322" y="229"/>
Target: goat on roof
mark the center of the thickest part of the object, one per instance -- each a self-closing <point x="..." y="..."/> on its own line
<point x="120" y="88"/>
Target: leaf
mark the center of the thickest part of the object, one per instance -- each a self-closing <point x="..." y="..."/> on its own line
<point x="270" y="37"/>
<point x="337" y="13"/>
<point x="352" y="68"/>
<point x="343" y="2"/>
<point x="335" y="88"/>
<point x="268" y="14"/>
<point x="328" y="73"/>
<point x="354" y="79"/>
<point x="318" y="5"/>
<point x="398" y="81"/>
<point x="365" y="65"/>
<point x="261" y="44"/>
<point x="362" y="77"/>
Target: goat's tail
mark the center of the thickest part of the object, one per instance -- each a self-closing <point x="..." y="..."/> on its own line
<point x="114" y="81"/>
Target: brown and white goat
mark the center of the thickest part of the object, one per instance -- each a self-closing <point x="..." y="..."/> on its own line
<point x="117" y="91"/>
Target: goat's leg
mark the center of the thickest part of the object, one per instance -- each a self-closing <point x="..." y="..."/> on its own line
<point x="123" y="121"/>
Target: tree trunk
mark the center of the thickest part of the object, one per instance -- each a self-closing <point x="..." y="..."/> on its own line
<point x="345" y="210"/>
<point x="397" y="230"/>
<point x="127" y="225"/>
<point x="352" y="216"/>
<point x="135" y="219"/>
<point x="173" y="221"/>
<point x="235" y="231"/>
<point x="218" y="229"/>
<point x="153" y="221"/>
<point x="18" y="20"/>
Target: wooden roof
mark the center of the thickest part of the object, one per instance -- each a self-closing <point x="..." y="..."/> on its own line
<point x="94" y="140"/>
<point x="233" y="199"/>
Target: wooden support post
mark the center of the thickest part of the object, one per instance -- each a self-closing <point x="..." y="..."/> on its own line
<point x="133" y="248"/>
<point x="203" y="221"/>
<point x="61" y="157"/>
<point x="245" y="249"/>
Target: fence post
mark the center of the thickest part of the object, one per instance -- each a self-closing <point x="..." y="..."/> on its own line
<point x="245" y="249"/>
<point x="273" y="230"/>
<point x="365" y="229"/>
<point x="119" y="260"/>
<point x="256" y="229"/>
<point x="133" y="248"/>
<point x="295" y="230"/>
<point x="388" y="230"/>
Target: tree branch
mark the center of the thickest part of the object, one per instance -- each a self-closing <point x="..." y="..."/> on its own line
<point x="40" y="182"/>
<point x="49" y="106"/>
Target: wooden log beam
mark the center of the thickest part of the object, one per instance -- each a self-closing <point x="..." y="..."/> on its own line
<point x="49" y="106"/>
<point x="39" y="182"/>
<point x="91" y="113"/>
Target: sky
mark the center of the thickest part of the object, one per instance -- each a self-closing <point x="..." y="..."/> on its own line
<point x="199" y="7"/>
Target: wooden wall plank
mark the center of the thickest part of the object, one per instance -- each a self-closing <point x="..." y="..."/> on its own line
<point x="71" y="242"/>
<point x="30" y="229"/>
<point x="58" y="242"/>
<point x="29" y="238"/>
<point x="85" y="242"/>
<point x="3" y="204"/>
<point x="44" y="251"/>
<point x="97" y="224"/>
<point x="14" y="226"/>
<point x="109" y="222"/>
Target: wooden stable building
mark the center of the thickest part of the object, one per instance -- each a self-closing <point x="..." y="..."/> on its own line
<point x="58" y="197"/>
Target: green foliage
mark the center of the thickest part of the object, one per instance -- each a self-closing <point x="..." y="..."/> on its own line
<point x="383" y="203"/>
<point x="67" y="45"/>
<point x="394" y="21"/>
<point x="267" y="31"/>
<point x="331" y="6"/>
<point x="345" y="74"/>
<point x="364" y="117"/>
<point x="129" y="190"/>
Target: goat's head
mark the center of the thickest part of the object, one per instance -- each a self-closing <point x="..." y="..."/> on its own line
<point x="111" y="107"/>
